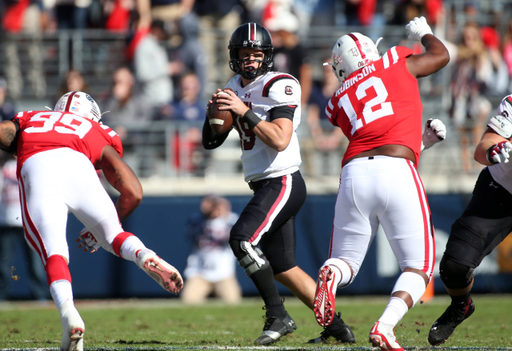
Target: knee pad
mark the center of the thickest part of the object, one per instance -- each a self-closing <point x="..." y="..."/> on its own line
<point x="249" y="257"/>
<point x="455" y="275"/>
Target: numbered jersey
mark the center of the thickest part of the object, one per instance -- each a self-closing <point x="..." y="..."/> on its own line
<point x="48" y="130"/>
<point x="266" y="92"/>
<point x="379" y="105"/>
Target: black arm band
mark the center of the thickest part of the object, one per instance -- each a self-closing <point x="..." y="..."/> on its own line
<point x="488" y="155"/>
<point x="251" y="118"/>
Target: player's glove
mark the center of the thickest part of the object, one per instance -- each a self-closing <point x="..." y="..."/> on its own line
<point x="499" y="153"/>
<point x="87" y="241"/>
<point x="417" y="28"/>
<point x="505" y="107"/>
<point x="502" y="125"/>
<point x="435" y="131"/>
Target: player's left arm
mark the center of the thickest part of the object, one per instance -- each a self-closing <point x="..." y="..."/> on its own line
<point x="436" y="55"/>
<point x="123" y="179"/>
<point x="8" y="133"/>
<point x="492" y="148"/>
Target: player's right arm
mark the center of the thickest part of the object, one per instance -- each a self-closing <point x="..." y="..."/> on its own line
<point x="123" y="179"/>
<point x="8" y="131"/>
<point x="436" y="55"/>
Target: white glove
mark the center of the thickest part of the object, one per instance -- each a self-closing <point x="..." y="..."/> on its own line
<point x="435" y="131"/>
<point x="502" y="125"/>
<point x="417" y="28"/>
<point x="499" y="153"/>
<point x="87" y="241"/>
<point x="505" y="107"/>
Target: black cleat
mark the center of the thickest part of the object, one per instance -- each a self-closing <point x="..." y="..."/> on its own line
<point x="338" y="330"/>
<point x="443" y="328"/>
<point x="275" y="328"/>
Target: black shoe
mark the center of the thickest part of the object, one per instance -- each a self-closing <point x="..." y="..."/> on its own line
<point x="443" y="328"/>
<point x="275" y="328"/>
<point x="338" y="330"/>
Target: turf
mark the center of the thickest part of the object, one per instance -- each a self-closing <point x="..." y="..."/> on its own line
<point x="140" y="324"/>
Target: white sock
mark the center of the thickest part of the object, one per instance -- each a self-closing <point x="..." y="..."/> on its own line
<point x="130" y="247"/>
<point x="394" y="311"/>
<point x="61" y="291"/>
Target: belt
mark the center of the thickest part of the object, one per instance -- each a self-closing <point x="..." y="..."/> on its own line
<point x="257" y="185"/>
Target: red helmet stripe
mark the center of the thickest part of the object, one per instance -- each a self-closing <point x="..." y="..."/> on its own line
<point x="68" y="103"/>
<point x="252" y="31"/>
<point x="363" y="55"/>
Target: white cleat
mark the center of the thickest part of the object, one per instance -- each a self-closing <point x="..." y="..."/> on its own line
<point x="383" y="336"/>
<point x="325" y="296"/>
<point x="166" y="275"/>
<point x="73" y="328"/>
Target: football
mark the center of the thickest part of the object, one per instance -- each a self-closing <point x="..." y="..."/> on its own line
<point x="220" y="120"/>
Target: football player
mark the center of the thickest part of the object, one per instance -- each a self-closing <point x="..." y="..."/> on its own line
<point x="484" y="224"/>
<point x="58" y="153"/>
<point x="378" y="107"/>
<point x="267" y="106"/>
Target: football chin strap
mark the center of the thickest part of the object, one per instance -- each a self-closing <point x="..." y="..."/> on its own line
<point x="254" y="260"/>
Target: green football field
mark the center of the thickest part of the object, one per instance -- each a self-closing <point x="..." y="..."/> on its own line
<point x="166" y="324"/>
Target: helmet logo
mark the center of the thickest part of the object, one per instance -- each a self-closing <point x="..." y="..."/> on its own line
<point x="288" y="90"/>
<point x="354" y="52"/>
<point x="252" y="43"/>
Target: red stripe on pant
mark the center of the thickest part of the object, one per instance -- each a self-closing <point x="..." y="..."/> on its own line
<point x="118" y="242"/>
<point x="57" y="269"/>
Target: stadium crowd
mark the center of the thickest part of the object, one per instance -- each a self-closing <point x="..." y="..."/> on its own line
<point x="163" y="70"/>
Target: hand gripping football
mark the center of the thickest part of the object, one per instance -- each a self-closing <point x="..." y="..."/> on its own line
<point x="221" y="121"/>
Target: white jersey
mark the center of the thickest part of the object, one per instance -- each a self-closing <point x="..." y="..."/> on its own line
<point x="266" y="92"/>
<point x="502" y="173"/>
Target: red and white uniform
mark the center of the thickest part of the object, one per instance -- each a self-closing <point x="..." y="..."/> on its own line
<point x="56" y="156"/>
<point x="266" y="92"/>
<point x="380" y="105"/>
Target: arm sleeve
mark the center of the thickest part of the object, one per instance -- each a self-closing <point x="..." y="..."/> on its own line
<point x="282" y="112"/>
<point x="210" y="139"/>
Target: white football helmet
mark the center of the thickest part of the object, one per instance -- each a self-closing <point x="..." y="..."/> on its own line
<point x="505" y="107"/>
<point x="352" y="52"/>
<point x="79" y="103"/>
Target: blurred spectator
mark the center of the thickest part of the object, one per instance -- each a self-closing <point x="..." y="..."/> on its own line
<point x="406" y="10"/>
<point x="118" y="14"/>
<point x="473" y="71"/>
<point x="189" y="111"/>
<point x="188" y="55"/>
<point x="322" y="153"/>
<point x="506" y="49"/>
<point x="217" y="20"/>
<point x="290" y="56"/>
<point x="72" y="81"/>
<point x="211" y="264"/>
<point x="7" y="106"/>
<point x="72" y="14"/>
<point x="24" y="17"/>
<point x="125" y="104"/>
<point x="12" y="236"/>
<point x="152" y="67"/>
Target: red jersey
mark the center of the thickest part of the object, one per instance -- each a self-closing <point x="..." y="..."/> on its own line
<point x="48" y="130"/>
<point x="379" y="105"/>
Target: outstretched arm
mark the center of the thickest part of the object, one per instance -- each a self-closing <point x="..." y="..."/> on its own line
<point x="436" y="55"/>
<point x="123" y="179"/>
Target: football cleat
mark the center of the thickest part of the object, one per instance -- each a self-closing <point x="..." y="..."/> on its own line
<point x="325" y="296"/>
<point x="383" y="336"/>
<point x="73" y="328"/>
<point x="338" y="330"/>
<point x="166" y="275"/>
<point x="275" y="328"/>
<point x="445" y="325"/>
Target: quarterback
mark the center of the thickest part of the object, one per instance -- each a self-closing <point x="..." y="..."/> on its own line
<point x="58" y="153"/>
<point x="267" y="106"/>
<point x="379" y="109"/>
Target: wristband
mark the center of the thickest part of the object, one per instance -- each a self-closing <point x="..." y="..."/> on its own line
<point x="488" y="155"/>
<point x="251" y="118"/>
